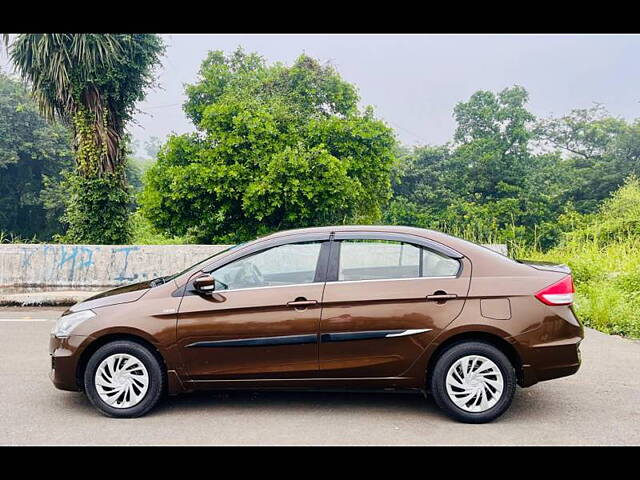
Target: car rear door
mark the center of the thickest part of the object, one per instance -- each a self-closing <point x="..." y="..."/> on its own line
<point x="387" y="296"/>
<point x="261" y="322"/>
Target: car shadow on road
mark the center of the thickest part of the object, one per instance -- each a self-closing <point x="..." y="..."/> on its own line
<point x="338" y="402"/>
<point x="299" y="400"/>
<point x="527" y="404"/>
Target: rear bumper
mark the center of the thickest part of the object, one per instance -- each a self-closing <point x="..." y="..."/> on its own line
<point x="551" y="360"/>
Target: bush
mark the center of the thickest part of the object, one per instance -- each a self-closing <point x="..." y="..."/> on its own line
<point x="604" y="256"/>
<point x="143" y="233"/>
<point x="97" y="210"/>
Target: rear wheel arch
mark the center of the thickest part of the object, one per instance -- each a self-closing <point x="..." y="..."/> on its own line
<point x="491" y="338"/>
<point x="112" y="337"/>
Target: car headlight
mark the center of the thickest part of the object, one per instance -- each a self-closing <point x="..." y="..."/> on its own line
<point x="65" y="324"/>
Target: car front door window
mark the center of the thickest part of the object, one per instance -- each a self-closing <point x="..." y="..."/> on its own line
<point x="289" y="264"/>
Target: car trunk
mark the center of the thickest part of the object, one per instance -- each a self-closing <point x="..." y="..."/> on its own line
<point x="546" y="266"/>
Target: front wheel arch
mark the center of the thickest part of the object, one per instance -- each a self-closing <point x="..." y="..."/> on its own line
<point x="100" y="341"/>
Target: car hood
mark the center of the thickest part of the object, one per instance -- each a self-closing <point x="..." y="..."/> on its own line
<point x="125" y="294"/>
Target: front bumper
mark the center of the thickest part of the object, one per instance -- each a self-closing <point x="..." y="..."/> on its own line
<point x="65" y="355"/>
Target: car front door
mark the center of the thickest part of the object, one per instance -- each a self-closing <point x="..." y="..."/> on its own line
<point x="387" y="297"/>
<point x="261" y="320"/>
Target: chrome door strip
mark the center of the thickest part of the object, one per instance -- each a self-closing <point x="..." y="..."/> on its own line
<point x="409" y="332"/>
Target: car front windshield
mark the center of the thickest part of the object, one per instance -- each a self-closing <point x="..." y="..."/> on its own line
<point x="202" y="262"/>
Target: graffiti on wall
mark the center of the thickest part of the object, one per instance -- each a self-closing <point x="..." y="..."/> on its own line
<point x="76" y="265"/>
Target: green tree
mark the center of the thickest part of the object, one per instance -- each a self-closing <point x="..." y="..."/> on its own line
<point x="91" y="82"/>
<point x="493" y="143"/>
<point x="33" y="156"/>
<point x="487" y="185"/>
<point x="276" y="147"/>
<point x="419" y="194"/>
<point x="600" y="152"/>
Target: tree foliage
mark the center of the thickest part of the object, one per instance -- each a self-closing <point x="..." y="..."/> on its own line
<point x="282" y="146"/>
<point x="487" y="183"/>
<point x="508" y="177"/>
<point x="33" y="156"/>
<point x="276" y="147"/>
<point x="91" y="82"/>
<point x="600" y="152"/>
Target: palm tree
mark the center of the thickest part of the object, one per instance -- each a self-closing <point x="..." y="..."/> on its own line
<point x="64" y="71"/>
<point x="91" y="81"/>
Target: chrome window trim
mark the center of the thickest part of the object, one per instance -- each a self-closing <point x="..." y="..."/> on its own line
<point x="410" y="238"/>
<point x="336" y="281"/>
<point x="392" y="279"/>
<point x="268" y="286"/>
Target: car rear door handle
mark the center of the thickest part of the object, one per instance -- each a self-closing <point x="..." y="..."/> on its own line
<point x="302" y="302"/>
<point x="442" y="296"/>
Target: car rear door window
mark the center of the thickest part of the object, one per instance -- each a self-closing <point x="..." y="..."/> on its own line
<point x="378" y="259"/>
<point x="388" y="259"/>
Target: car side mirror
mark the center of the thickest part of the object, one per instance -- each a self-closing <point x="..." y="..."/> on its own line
<point x="204" y="284"/>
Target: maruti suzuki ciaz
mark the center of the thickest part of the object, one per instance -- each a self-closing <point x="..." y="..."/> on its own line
<point x="345" y="307"/>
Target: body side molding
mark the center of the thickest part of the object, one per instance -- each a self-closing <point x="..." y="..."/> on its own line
<point x="308" y="338"/>
<point x="369" y="334"/>
<point x="257" y="342"/>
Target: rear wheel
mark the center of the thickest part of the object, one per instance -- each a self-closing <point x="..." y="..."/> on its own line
<point x="123" y="379"/>
<point x="473" y="382"/>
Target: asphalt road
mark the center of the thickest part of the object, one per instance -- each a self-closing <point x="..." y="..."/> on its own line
<point x="600" y="405"/>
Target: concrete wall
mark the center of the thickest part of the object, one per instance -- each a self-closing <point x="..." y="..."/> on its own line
<point x="94" y="265"/>
<point x="99" y="265"/>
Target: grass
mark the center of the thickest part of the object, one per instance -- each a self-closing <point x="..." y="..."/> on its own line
<point x="604" y="257"/>
<point x="607" y="280"/>
<point x="144" y="233"/>
<point x="12" y="238"/>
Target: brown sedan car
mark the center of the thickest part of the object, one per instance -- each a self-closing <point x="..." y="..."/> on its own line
<point x="349" y="307"/>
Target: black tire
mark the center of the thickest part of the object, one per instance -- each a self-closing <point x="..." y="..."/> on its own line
<point x="448" y="358"/>
<point x="154" y="368"/>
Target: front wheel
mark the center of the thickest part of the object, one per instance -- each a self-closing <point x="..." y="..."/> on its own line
<point x="473" y="382"/>
<point x="123" y="379"/>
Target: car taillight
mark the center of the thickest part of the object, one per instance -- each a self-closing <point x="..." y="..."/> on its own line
<point x="559" y="293"/>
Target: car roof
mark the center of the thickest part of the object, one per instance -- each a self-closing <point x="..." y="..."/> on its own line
<point x="351" y="228"/>
<point x="480" y="253"/>
<point x="448" y="240"/>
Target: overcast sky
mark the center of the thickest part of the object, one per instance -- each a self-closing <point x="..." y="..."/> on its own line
<point x="414" y="81"/>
